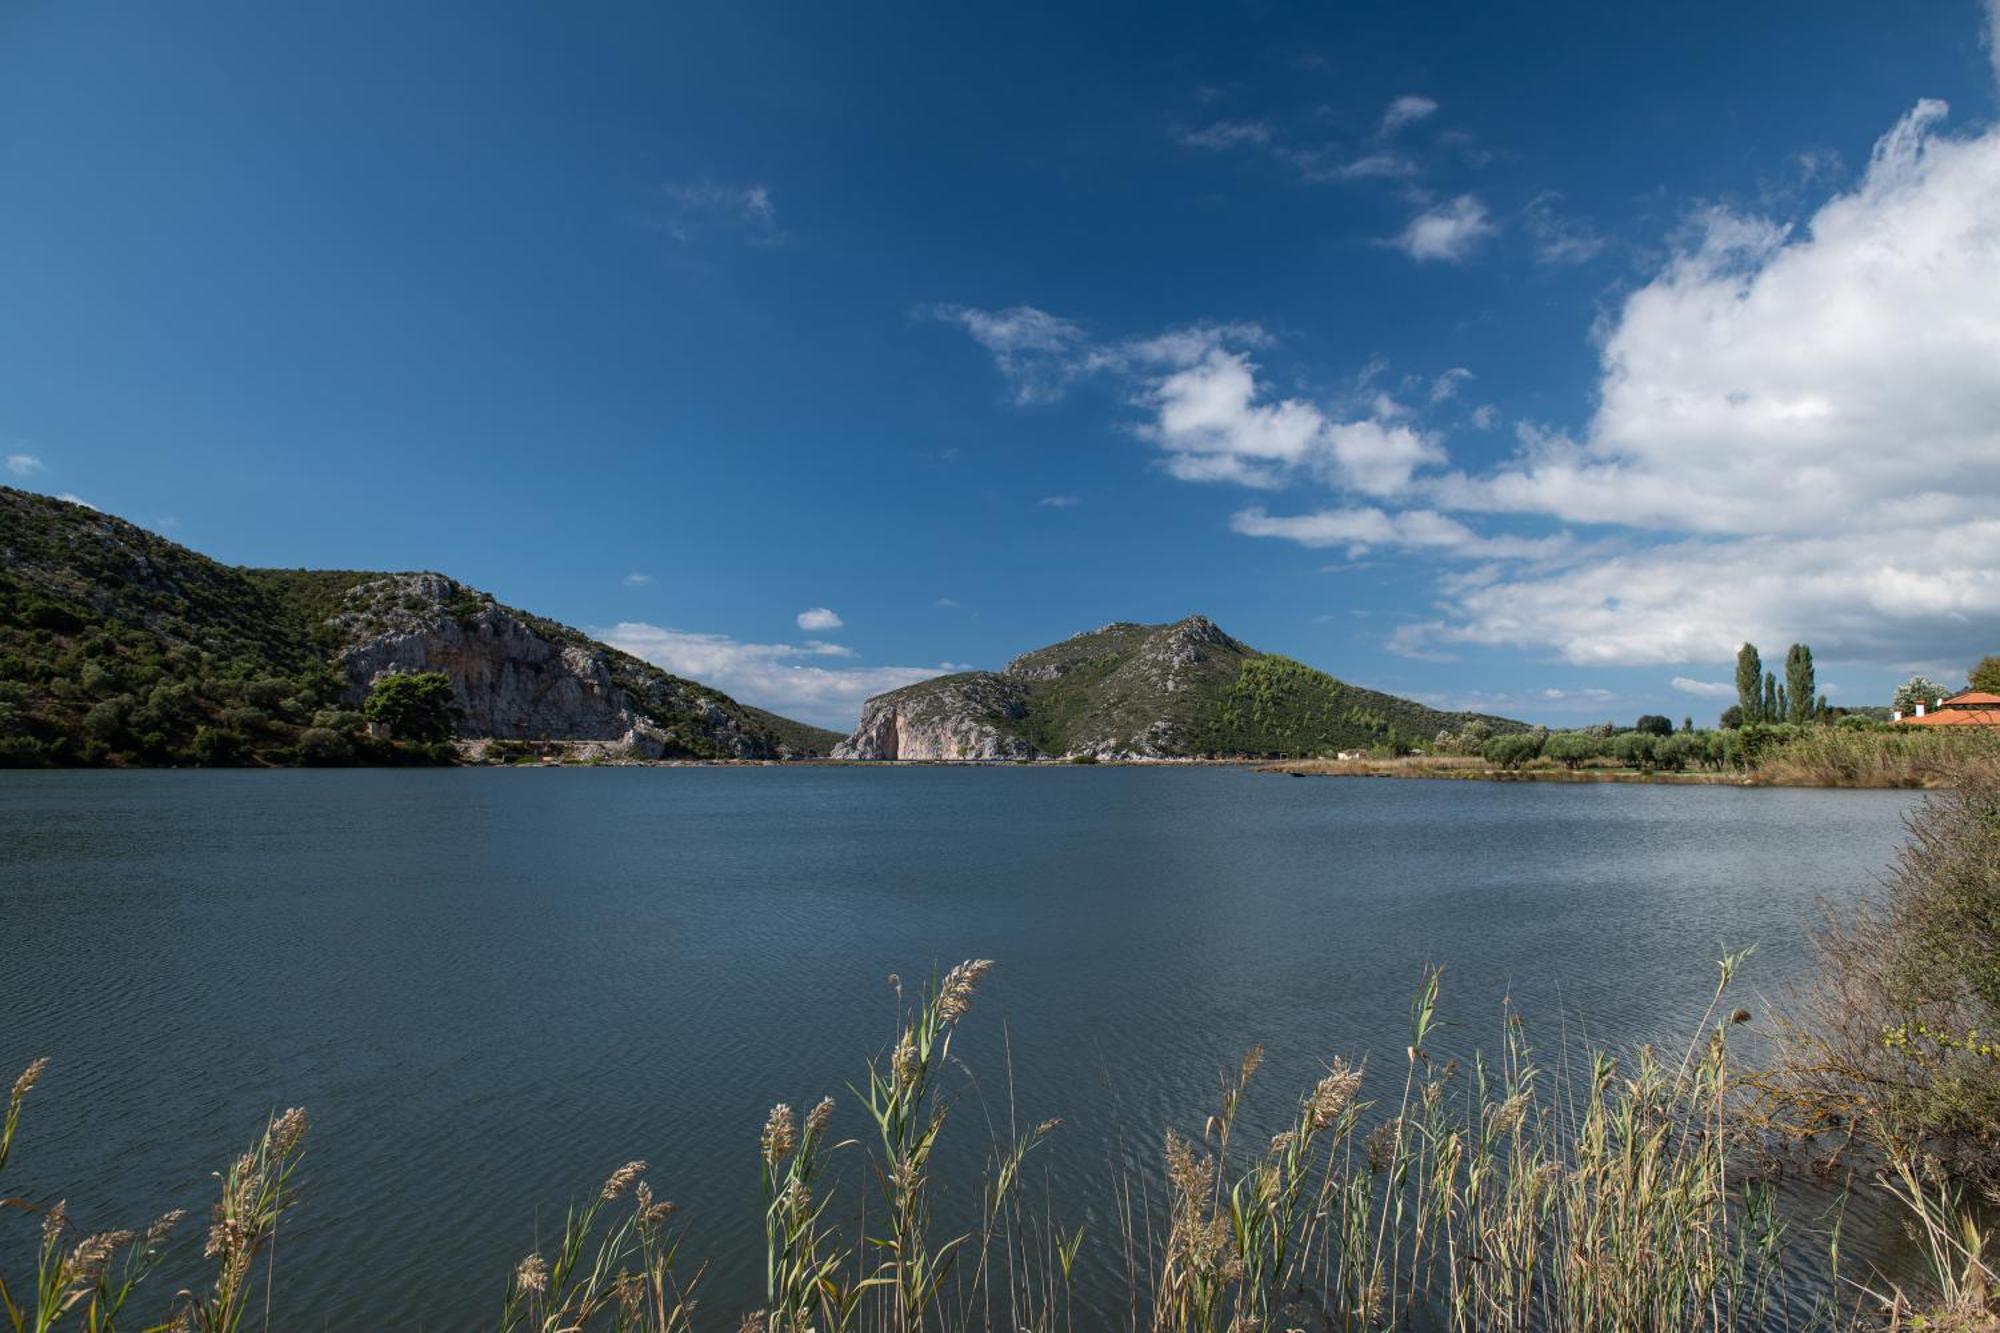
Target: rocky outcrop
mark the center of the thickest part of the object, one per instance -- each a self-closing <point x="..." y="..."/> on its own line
<point x="960" y="717"/>
<point x="1136" y="692"/>
<point x="518" y="677"/>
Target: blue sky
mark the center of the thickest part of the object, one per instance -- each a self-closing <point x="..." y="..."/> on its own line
<point x="1519" y="360"/>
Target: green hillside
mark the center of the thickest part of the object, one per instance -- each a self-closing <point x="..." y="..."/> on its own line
<point x="118" y="646"/>
<point x="1184" y="689"/>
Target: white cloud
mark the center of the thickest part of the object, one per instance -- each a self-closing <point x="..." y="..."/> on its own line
<point x="777" y="676"/>
<point x="1704" y="689"/>
<point x="1993" y="35"/>
<point x="1040" y="354"/>
<point x="1360" y="530"/>
<point x="694" y="209"/>
<point x="1809" y="413"/>
<point x="1216" y="424"/>
<point x="1559" y="239"/>
<point x="78" y="500"/>
<point x="1229" y="134"/>
<point x="1406" y="109"/>
<point x="1059" y="502"/>
<point x="819" y="619"/>
<point x="1448" y="232"/>
<point x="24" y="465"/>
<point x="1446" y="385"/>
<point x="636" y="580"/>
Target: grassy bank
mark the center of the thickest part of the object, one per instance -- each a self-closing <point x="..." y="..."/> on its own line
<point x="1888" y="757"/>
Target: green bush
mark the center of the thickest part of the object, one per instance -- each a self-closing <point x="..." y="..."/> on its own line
<point x="1514" y="749"/>
<point x="321" y="748"/>
<point x="216" y="747"/>
<point x="1634" y="748"/>
<point x="1573" y="748"/>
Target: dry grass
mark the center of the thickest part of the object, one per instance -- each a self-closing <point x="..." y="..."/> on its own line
<point x="1494" y="1196"/>
<point x="1919" y="757"/>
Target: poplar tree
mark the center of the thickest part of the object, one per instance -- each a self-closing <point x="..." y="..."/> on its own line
<point x="1767" y="710"/>
<point x="1799" y="682"/>
<point x="1749" y="681"/>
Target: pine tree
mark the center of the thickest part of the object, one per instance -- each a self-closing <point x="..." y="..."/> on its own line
<point x="1799" y="681"/>
<point x="1749" y="680"/>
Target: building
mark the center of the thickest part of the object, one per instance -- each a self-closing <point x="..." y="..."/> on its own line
<point x="1972" y="708"/>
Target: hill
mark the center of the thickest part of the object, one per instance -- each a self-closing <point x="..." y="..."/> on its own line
<point x="1143" y="691"/>
<point x="119" y="646"/>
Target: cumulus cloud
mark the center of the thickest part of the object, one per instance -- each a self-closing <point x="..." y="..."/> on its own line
<point x="1449" y="232"/>
<point x="819" y="620"/>
<point x="1704" y="689"/>
<point x="1215" y="423"/>
<point x="24" y="465"/>
<point x="1406" y="109"/>
<point x="1808" y="414"/>
<point x="782" y="677"/>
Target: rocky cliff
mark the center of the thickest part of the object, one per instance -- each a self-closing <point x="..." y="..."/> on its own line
<point x="519" y="677"/>
<point x="119" y="646"/>
<point x="1132" y="691"/>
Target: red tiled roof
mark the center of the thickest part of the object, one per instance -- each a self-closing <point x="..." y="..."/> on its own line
<point x="1955" y="717"/>
<point x="1974" y="699"/>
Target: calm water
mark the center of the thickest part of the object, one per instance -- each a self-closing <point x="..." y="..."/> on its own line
<point x="491" y="987"/>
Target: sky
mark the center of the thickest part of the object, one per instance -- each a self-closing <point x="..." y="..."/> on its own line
<point x="1519" y="358"/>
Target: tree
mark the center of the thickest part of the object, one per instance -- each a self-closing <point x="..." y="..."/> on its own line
<point x="1732" y="718"/>
<point x="1749" y="682"/>
<point x="1687" y="724"/>
<point x="1513" y="749"/>
<point x="1572" y="748"/>
<point x="1784" y="709"/>
<point x="1767" y="707"/>
<point x="1917" y="690"/>
<point x="414" y="707"/>
<point x="1652" y="724"/>
<point x="1986" y="676"/>
<point x="1799" y="683"/>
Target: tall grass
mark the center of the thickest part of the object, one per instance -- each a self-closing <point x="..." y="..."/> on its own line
<point x="1499" y="1194"/>
<point x="1885" y="757"/>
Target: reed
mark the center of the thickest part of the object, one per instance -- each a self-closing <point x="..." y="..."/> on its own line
<point x="1609" y="1194"/>
<point x="1921" y="757"/>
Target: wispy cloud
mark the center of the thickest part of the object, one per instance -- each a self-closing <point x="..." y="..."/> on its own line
<point x="1703" y="689"/>
<point x="1406" y="110"/>
<point x="1229" y="134"/>
<point x="819" y="620"/>
<point x="1040" y="354"/>
<point x="1559" y="239"/>
<point x="1449" y="232"/>
<point x="24" y="465"/>
<point x="637" y="580"/>
<point x="1058" y="502"/>
<point x="697" y="209"/>
<point x="786" y="678"/>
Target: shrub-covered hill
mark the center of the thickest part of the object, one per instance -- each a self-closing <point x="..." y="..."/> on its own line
<point x="118" y="646"/>
<point x="1150" y="691"/>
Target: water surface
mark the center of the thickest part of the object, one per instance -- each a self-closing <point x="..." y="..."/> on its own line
<point x="491" y="987"/>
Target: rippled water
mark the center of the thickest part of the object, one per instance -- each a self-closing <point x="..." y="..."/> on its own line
<point x="490" y="987"/>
